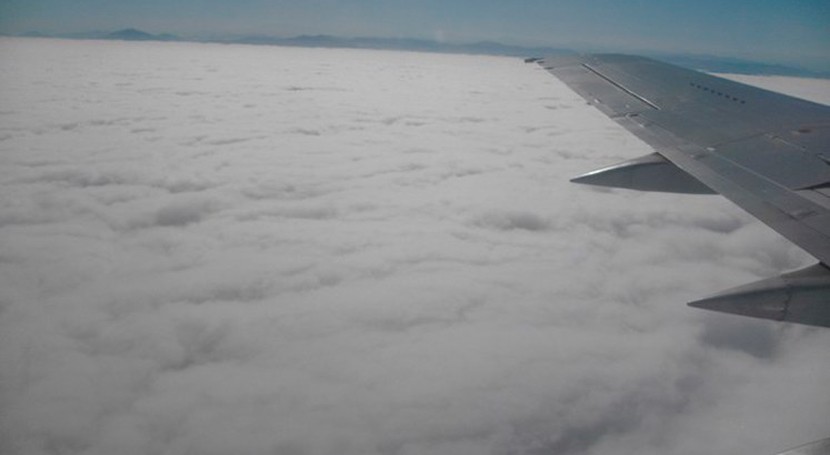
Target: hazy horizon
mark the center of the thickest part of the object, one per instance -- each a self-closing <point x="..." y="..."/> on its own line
<point x="792" y="32"/>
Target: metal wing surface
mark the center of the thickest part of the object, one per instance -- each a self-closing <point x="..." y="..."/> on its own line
<point x="766" y="152"/>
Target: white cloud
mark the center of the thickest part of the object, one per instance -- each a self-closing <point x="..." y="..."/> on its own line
<point x="233" y="249"/>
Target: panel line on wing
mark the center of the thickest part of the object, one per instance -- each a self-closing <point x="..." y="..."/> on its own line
<point x="620" y="86"/>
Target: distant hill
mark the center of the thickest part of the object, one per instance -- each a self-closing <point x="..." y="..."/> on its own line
<point x="132" y="34"/>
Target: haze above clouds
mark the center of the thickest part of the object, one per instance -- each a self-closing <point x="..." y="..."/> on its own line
<point x="792" y="32"/>
<point x="237" y="249"/>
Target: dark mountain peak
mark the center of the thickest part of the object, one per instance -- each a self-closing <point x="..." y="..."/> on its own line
<point x="316" y="37"/>
<point x="133" y="34"/>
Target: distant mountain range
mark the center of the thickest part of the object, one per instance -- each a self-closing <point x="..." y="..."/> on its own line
<point x="127" y="34"/>
<point x="713" y="64"/>
<point x="408" y="44"/>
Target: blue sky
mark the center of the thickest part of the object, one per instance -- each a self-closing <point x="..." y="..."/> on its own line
<point x="795" y="31"/>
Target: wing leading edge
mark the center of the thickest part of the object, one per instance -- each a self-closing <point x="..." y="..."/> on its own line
<point x="766" y="152"/>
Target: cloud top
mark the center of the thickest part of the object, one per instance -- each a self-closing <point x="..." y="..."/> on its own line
<point x="230" y="249"/>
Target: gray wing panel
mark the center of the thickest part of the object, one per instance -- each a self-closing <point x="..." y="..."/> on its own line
<point x="762" y="150"/>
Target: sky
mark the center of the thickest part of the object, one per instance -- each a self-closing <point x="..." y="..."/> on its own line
<point x="223" y="249"/>
<point x="790" y="31"/>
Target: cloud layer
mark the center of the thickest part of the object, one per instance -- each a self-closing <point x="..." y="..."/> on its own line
<point x="232" y="249"/>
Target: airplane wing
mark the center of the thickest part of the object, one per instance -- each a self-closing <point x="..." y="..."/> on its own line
<point x="821" y="447"/>
<point x="766" y="152"/>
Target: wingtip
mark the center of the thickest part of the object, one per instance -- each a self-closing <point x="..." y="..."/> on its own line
<point x="584" y="179"/>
